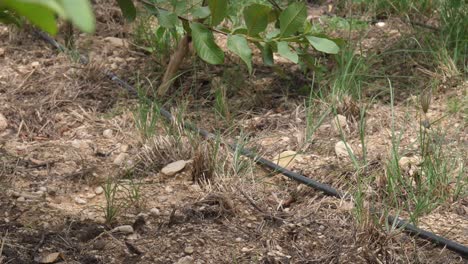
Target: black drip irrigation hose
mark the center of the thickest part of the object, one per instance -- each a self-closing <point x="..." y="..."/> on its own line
<point x="326" y="189"/>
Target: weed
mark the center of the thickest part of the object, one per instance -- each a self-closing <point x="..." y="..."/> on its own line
<point x="133" y="195"/>
<point x="434" y="180"/>
<point x="349" y="73"/>
<point x="146" y="115"/>
<point x="113" y="205"/>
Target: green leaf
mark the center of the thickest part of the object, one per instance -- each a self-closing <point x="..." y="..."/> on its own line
<point x="80" y="14"/>
<point x="167" y="19"/>
<point x="323" y="44"/>
<point x="267" y="53"/>
<point x="218" y="10"/>
<point x="256" y="18"/>
<point x="128" y="9"/>
<point x="38" y="13"/>
<point x="204" y="44"/>
<point x="240" y="47"/>
<point x="285" y="52"/>
<point x="201" y="12"/>
<point x="292" y="19"/>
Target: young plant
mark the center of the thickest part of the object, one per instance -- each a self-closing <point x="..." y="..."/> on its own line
<point x="113" y="206"/>
<point x="269" y="27"/>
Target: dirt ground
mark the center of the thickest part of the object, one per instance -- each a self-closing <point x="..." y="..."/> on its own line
<point x="70" y="128"/>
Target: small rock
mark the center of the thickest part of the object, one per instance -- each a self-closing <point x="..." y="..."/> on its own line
<point x="3" y="122"/>
<point x="341" y="150"/>
<point x="286" y="158"/>
<point x="119" y="160"/>
<point x="409" y="165"/>
<point x="108" y="133"/>
<point x="189" y="250"/>
<point x="2" y="51"/>
<point x="43" y="189"/>
<point x="124" y="148"/>
<point x="79" y="200"/>
<point x="126" y="229"/>
<point x="380" y="24"/>
<point x="21" y="199"/>
<point x="98" y="190"/>
<point x="79" y="144"/>
<point x="90" y="195"/>
<point x="245" y="249"/>
<point x="35" y="64"/>
<point x="155" y="212"/>
<point x="340" y="124"/>
<point x="168" y="189"/>
<point x="185" y="260"/>
<point x="239" y="239"/>
<point x="117" y="42"/>
<point x="174" y="167"/>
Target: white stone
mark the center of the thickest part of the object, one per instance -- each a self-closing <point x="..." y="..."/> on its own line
<point x="80" y="201"/>
<point x="185" y="260"/>
<point x="43" y="189"/>
<point x="168" y="189"/>
<point x="409" y="165"/>
<point x="35" y="64"/>
<point x="341" y="150"/>
<point x="3" y="122"/>
<point x="2" y="51"/>
<point x="126" y="229"/>
<point x="124" y="148"/>
<point x="340" y="124"/>
<point x="21" y="199"/>
<point x="117" y="42"/>
<point x="174" y="167"/>
<point x="119" y="160"/>
<point x="286" y="158"/>
<point x="380" y="24"/>
<point x="98" y="190"/>
<point x="189" y="250"/>
<point x="155" y="211"/>
<point x="80" y="144"/>
<point x="108" y="133"/>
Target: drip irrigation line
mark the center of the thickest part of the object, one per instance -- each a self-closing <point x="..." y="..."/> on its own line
<point x="326" y="189"/>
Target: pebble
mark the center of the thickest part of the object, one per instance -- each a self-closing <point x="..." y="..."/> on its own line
<point x="119" y="160"/>
<point x="117" y="42"/>
<point x="174" y="167"/>
<point x="239" y="239"/>
<point x="340" y="124"/>
<point x="2" y="51"/>
<point x="98" y="190"/>
<point x="286" y="158"/>
<point x="155" y="212"/>
<point x="245" y="249"/>
<point x="43" y="189"/>
<point x="79" y="200"/>
<point x="169" y="189"/>
<point x="52" y="191"/>
<point x="108" y="133"/>
<point x="126" y="229"/>
<point x="35" y="64"/>
<point x="3" y="122"/>
<point x="124" y="148"/>
<point x="79" y="144"/>
<point x="21" y="199"/>
<point x="341" y="150"/>
<point x="189" y="250"/>
<point x="90" y="195"/>
<point x="185" y="260"/>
